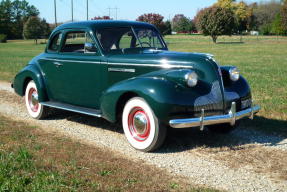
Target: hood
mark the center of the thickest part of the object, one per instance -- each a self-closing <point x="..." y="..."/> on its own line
<point x="153" y="56"/>
<point x="203" y="64"/>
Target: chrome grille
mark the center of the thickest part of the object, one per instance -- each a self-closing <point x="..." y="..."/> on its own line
<point x="211" y="101"/>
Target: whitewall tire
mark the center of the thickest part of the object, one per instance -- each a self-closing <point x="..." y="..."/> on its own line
<point x="141" y="127"/>
<point x="35" y="109"/>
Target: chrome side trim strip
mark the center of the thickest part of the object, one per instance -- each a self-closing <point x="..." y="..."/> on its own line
<point x="121" y="70"/>
<point x="231" y="118"/>
<point x="166" y="66"/>
<point x="77" y="109"/>
<point x="76" y="61"/>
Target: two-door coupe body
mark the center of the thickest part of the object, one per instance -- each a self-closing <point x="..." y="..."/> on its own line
<point x="123" y="71"/>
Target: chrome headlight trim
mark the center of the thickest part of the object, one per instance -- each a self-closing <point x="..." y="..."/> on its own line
<point x="191" y="79"/>
<point x="234" y="74"/>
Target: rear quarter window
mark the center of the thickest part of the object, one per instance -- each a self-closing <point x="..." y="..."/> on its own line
<point x="55" y="43"/>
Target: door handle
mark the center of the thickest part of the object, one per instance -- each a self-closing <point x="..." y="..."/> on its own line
<point x="58" y="64"/>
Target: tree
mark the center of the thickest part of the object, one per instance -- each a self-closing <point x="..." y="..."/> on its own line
<point x="243" y="13"/>
<point x="102" y="18"/>
<point x="155" y="19"/>
<point x="45" y="28"/>
<point x="167" y="28"/>
<point x="216" y="21"/>
<point x="277" y="25"/>
<point x="13" y="15"/>
<point x="177" y="18"/>
<point x="284" y="17"/>
<point x="33" y="28"/>
<point x="228" y="4"/>
<point x="6" y="13"/>
<point x="265" y="14"/>
<point x="182" y="24"/>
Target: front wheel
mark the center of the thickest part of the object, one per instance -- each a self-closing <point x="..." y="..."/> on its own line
<point x="141" y="127"/>
<point x="35" y="109"/>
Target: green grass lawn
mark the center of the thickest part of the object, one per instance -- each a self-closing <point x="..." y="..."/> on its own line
<point x="262" y="60"/>
<point x="16" y="54"/>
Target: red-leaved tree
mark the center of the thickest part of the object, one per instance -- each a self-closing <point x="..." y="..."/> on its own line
<point x="155" y="19"/>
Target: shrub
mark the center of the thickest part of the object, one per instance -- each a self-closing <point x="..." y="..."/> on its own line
<point x="3" y="38"/>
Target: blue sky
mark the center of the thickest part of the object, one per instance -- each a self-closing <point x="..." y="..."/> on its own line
<point x="128" y="9"/>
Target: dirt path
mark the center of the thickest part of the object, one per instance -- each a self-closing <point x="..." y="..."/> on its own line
<point x="242" y="161"/>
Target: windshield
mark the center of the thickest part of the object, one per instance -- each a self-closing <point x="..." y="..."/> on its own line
<point x="119" y="38"/>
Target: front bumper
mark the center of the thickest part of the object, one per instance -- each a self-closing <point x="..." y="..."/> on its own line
<point x="201" y="121"/>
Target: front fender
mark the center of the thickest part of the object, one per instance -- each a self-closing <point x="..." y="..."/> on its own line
<point x="163" y="96"/>
<point x="241" y="87"/>
<point x="30" y="72"/>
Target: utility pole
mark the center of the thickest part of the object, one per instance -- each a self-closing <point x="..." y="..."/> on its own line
<point x="109" y="12"/>
<point x="72" y="7"/>
<point x="116" y="8"/>
<point x="87" y="10"/>
<point x="55" y="6"/>
<point x="116" y="14"/>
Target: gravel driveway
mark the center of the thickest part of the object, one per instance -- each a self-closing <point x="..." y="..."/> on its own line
<point x="185" y="153"/>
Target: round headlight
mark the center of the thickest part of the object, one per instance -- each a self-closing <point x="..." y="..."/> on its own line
<point x="191" y="79"/>
<point x="234" y="74"/>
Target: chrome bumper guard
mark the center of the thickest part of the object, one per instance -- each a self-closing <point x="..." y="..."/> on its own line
<point x="201" y="121"/>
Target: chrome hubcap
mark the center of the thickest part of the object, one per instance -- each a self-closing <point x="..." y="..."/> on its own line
<point x="140" y="122"/>
<point x="33" y="100"/>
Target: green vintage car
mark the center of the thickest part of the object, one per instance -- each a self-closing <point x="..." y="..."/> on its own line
<point x="122" y="71"/>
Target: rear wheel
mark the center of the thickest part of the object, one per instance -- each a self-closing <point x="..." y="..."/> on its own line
<point x="141" y="127"/>
<point x="35" y="109"/>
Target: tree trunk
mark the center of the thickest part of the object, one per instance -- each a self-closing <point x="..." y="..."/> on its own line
<point x="214" y="38"/>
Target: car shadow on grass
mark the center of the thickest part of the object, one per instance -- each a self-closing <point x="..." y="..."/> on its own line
<point x="260" y="131"/>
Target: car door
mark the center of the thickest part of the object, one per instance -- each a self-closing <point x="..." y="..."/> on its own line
<point x="79" y="72"/>
<point x="49" y="66"/>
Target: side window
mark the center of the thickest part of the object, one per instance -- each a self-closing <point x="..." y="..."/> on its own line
<point x="148" y="38"/>
<point x="55" y="43"/>
<point x="116" y="38"/>
<point x="75" y="42"/>
<point x="126" y="40"/>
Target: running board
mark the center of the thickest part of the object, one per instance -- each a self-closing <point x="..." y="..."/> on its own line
<point x="73" y="108"/>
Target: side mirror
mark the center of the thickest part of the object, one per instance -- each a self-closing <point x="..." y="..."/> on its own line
<point x="90" y="48"/>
